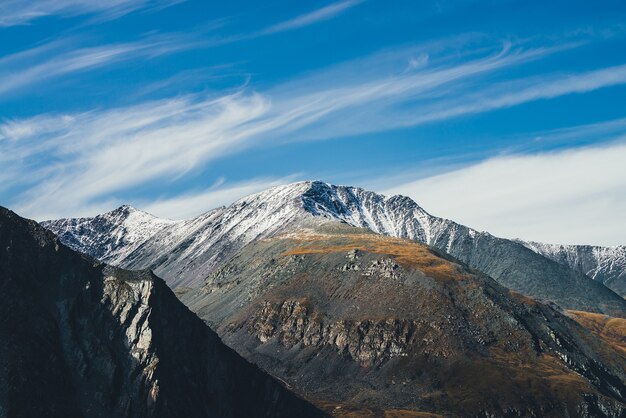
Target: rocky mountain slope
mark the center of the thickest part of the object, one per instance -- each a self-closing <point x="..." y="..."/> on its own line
<point x="604" y="264"/>
<point x="81" y="339"/>
<point x="367" y="324"/>
<point x="185" y="252"/>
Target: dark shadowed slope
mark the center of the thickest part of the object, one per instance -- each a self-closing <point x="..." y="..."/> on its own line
<point x="185" y="252"/>
<point x="364" y="322"/>
<point x="78" y="338"/>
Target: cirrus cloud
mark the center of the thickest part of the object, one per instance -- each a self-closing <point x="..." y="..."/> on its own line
<point x="67" y="164"/>
<point x="21" y="12"/>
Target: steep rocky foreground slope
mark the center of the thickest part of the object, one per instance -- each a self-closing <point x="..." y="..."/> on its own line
<point x="363" y="323"/>
<point x="185" y="252"/>
<point x="604" y="264"/>
<point x="80" y="339"/>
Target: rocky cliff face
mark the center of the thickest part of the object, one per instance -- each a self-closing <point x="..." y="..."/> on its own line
<point x="186" y="252"/>
<point x="79" y="338"/>
<point x="369" y="342"/>
<point x="363" y="322"/>
<point x="606" y="265"/>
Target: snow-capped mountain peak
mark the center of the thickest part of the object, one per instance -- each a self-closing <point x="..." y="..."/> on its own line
<point x="111" y="236"/>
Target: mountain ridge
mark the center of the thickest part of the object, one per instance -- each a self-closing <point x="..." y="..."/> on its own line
<point x="187" y="251"/>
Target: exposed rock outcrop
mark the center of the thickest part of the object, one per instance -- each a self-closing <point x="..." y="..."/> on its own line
<point x="368" y="342"/>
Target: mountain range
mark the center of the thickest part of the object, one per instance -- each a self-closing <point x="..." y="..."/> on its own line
<point x="185" y="252"/>
<point x="302" y="300"/>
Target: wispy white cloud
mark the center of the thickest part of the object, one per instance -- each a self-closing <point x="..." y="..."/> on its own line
<point x="20" y="12"/>
<point x="576" y="196"/>
<point x="346" y="100"/>
<point x="69" y="163"/>
<point x="319" y="15"/>
<point x="86" y="157"/>
<point x="324" y="13"/>
<point x="63" y="57"/>
<point x="60" y="58"/>
<point x="512" y="93"/>
<point x="437" y="92"/>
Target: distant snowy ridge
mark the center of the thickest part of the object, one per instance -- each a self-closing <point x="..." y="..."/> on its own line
<point x="604" y="264"/>
<point x="185" y="252"/>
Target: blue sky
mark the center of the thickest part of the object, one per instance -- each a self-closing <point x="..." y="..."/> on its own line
<point x="508" y="116"/>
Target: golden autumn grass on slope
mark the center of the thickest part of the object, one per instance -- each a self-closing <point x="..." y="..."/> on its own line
<point x="389" y="413"/>
<point x="346" y="411"/>
<point x="407" y="253"/>
<point x="609" y="329"/>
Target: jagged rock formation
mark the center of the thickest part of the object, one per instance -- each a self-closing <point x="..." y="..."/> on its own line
<point x="81" y="339"/>
<point x="604" y="264"/>
<point x="363" y="322"/>
<point x="185" y="252"/>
